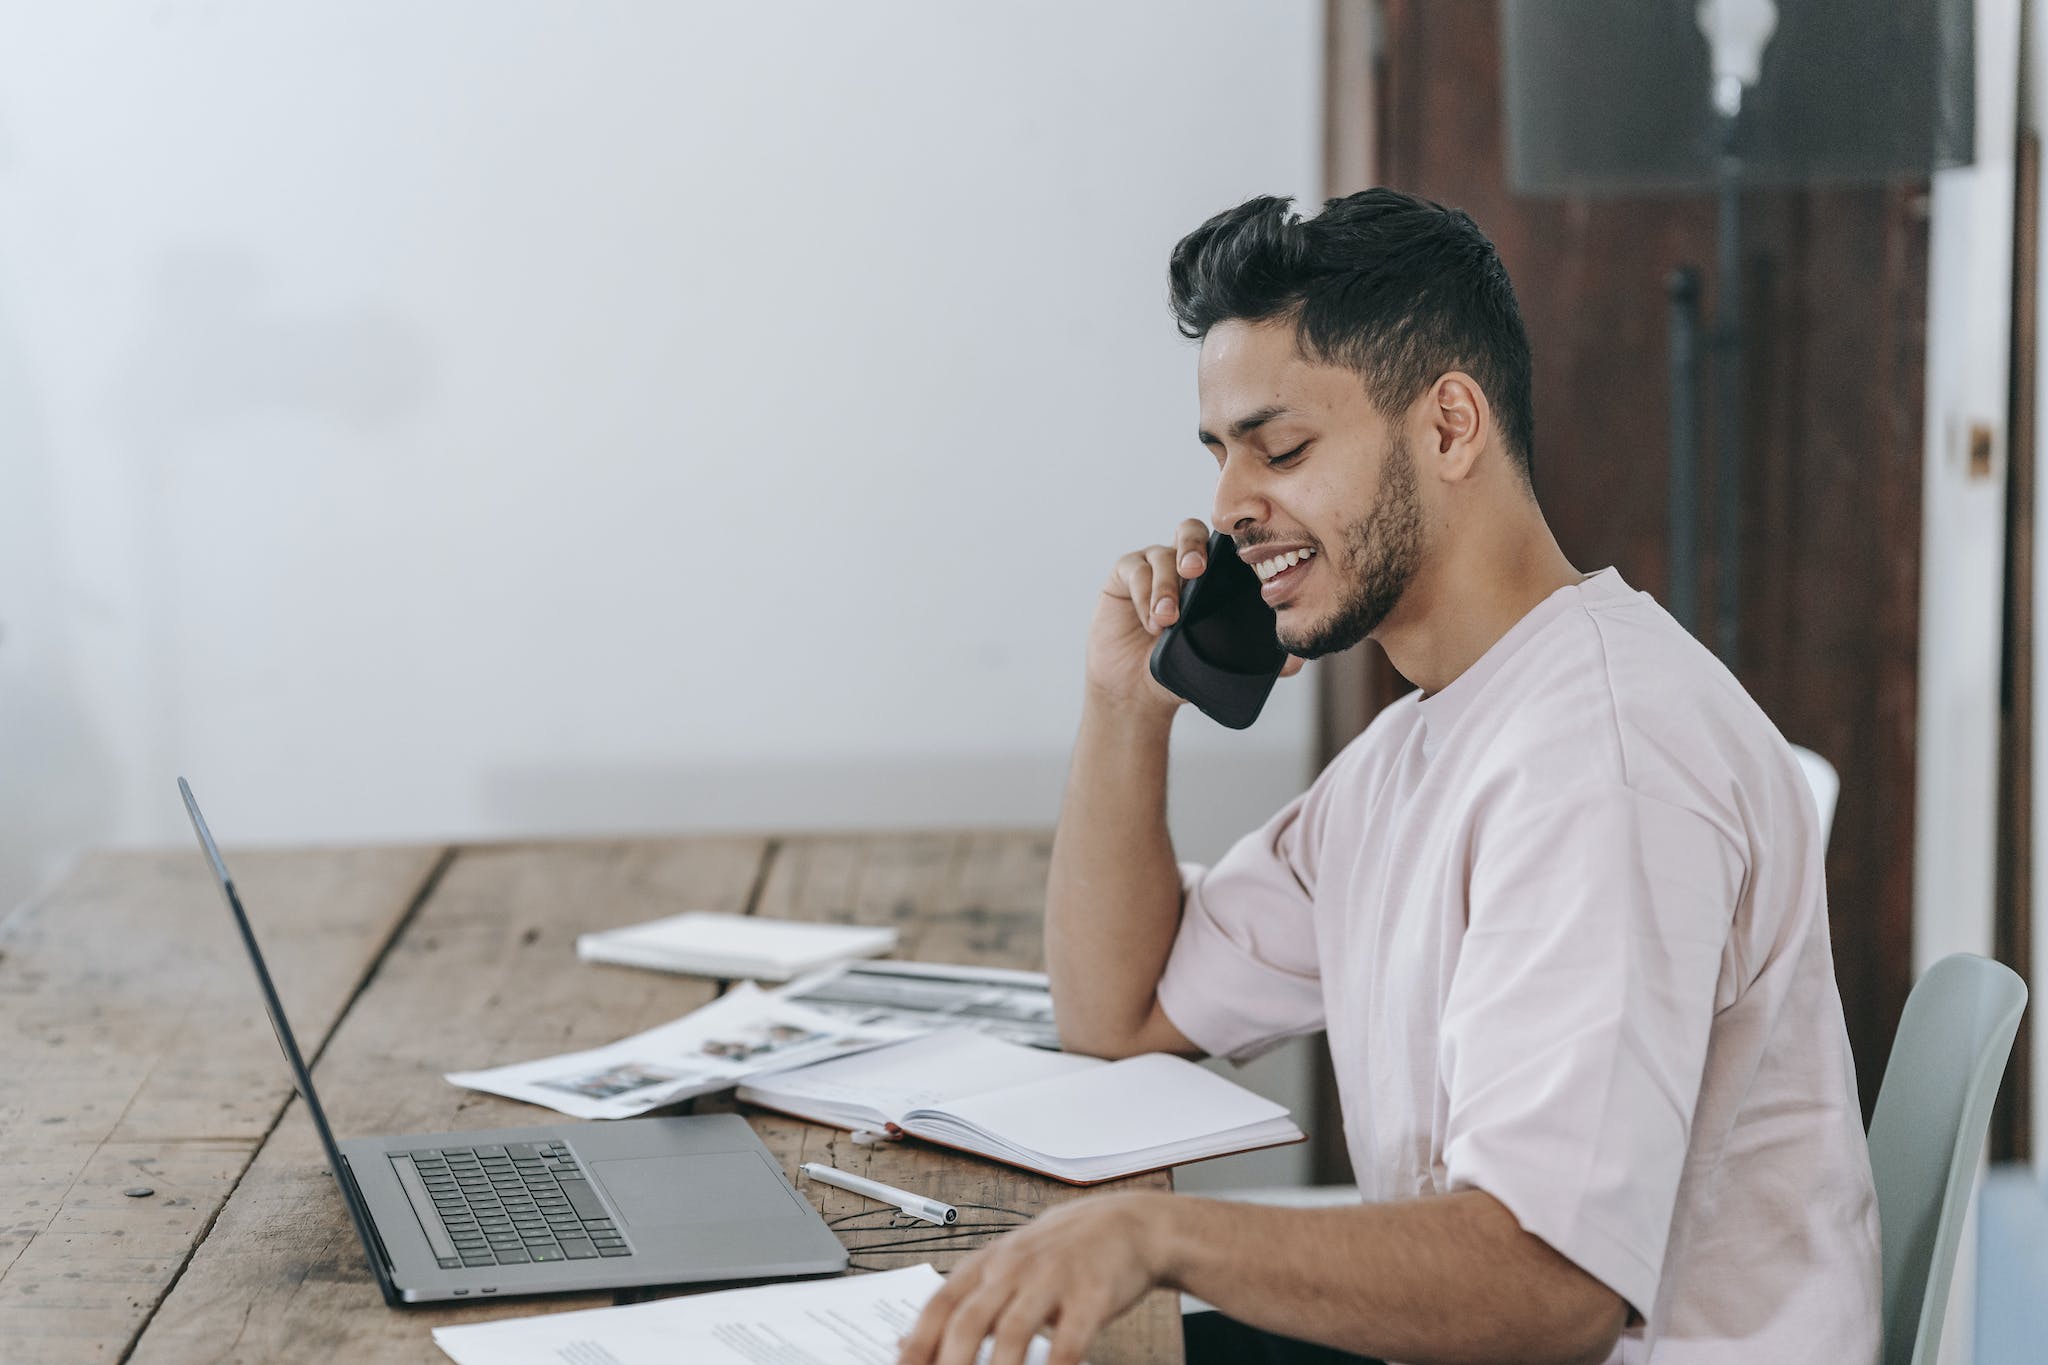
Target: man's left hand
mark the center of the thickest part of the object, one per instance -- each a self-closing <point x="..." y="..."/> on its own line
<point x="1070" y="1271"/>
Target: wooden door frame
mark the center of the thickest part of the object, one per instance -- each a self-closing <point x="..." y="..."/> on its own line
<point x="2012" y="924"/>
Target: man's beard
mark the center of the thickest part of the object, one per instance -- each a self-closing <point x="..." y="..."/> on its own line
<point x="1380" y="554"/>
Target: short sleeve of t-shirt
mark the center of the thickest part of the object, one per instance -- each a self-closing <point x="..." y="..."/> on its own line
<point x="1243" y="975"/>
<point x="1575" y="1030"/>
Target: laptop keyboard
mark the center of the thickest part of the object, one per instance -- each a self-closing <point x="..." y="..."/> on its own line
<point x="510" y="1205"/>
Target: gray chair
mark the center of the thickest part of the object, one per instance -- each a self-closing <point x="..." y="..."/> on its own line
<point x="1926" y="1134"/>
<point x="1826" y="784"/>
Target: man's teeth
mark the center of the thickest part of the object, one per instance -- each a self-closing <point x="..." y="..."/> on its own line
<point x="1265" y="569"/>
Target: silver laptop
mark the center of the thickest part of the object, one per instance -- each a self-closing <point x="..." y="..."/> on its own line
<point x="560" y="1207"/>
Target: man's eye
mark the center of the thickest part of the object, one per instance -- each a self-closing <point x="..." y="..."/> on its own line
<point x="1287" y="456"/>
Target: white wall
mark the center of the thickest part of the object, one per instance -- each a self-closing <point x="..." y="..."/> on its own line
<point x="1963" y="517"/>
<point x="481" y="418"/>
<point x="1963" y="547"/>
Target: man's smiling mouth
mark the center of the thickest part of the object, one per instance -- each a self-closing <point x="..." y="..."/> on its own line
<point x="1269" y="569"/>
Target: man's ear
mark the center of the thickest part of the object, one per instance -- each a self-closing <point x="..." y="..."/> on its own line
<point x="1458" y="419"/>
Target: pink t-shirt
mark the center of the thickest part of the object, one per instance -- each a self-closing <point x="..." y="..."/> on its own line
<point x="1564" y="923"/>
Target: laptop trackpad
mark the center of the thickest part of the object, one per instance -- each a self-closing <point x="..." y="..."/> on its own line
<point x="717" y="1187"/>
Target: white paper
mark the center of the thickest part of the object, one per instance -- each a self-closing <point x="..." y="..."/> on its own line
<point x="708" y="944"/>
<point x="745" y="1032"/>
<point x="999" y="1001"/>
<point x="933" y="1070"/>
<point x="853" y="1320"/>
<point x="1152" y="1102"/>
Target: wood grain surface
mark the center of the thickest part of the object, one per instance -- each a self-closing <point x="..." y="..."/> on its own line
<point x="974" y="898"/>
<point x="485" y="973"/>
<point x="137" y="1057"/>
<point x="481" y="972"/>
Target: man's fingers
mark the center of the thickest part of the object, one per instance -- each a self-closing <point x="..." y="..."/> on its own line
<point x="970" y="1323"/>
<point x="1017" y="1324"/>
<point x="1165" y="585"/>
<point x="1080" y="1319"/>
<point x="1192" y="542"/>
<point x="1152" y="577"/>
<point x="922" y="1343"/>
<point x="1136" y="575"/>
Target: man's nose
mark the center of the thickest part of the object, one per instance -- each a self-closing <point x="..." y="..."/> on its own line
<point x="1238" y="503"/>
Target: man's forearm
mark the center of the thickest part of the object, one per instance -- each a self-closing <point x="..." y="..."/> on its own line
<point x="1113" y="891"/>
<point x="1449" y="1278"/>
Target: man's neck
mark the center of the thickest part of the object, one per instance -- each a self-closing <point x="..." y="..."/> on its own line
<point x="1458" y="607"/>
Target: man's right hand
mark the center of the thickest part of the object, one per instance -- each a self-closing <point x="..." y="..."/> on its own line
<point x="1141" y="598"/>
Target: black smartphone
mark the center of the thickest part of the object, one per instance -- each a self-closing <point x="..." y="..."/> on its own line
<point x="1222" y="653"/>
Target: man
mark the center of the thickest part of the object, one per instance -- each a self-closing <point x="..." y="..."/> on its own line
<point x="1560" y="911"/>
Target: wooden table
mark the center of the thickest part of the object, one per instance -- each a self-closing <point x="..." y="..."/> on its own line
<point x="134" y="1054"/>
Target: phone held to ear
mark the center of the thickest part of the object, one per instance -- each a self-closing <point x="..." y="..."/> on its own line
<point x="1222" y="653"/>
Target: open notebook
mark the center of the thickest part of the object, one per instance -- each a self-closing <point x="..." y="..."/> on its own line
<point x="1073" y="1118"/>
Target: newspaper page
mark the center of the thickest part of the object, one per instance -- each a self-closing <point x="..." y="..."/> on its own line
<point x="919" y="997"/>
<point x="743" y="1033"/>
<point x="853" y="1320"/>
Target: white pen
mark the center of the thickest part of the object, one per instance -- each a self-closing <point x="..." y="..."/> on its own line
<point x="916" y="1205"/>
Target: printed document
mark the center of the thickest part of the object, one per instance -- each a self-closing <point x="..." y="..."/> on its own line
<point x="852" y="1320"/>
<point x="921" y="996"/>
<point x="745" y="1032"/>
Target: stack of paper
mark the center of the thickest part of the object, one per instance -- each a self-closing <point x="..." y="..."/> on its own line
<point x="737" y="947"/>
<point x="856" y="1320"/>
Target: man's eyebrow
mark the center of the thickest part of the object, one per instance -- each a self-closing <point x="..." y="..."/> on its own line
<point x="1247" y="424"/>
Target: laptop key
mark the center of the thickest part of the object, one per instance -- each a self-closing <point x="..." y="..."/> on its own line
<point x="585" y="1199"/>
<point x="613" y="1251"/>
<point x="513" y="1256"/>
<point x="548" y="1254"/>
<point x="477" y="1258"/>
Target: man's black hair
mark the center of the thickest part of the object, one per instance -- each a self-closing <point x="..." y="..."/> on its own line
<point x="1398" y="288"/>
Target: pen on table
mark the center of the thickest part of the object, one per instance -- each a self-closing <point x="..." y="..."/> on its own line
<point x="916" y="1205"/>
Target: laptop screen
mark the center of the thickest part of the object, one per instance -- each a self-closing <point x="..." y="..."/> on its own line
<point x="302" y="1077"/>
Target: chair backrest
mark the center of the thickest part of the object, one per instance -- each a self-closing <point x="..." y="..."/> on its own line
<point x="1926" y="1133"/>
<point x="1826" y="784"/>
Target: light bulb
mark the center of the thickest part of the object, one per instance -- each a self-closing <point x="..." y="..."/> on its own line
<point x="1737" y="32"/>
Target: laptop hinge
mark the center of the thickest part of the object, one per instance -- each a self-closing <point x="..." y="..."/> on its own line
<point x="384" y="1268"/>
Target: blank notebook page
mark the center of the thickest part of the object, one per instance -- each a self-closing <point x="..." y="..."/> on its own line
<point x="1129" y="1106"/>
<point x="928" y="1071"/>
